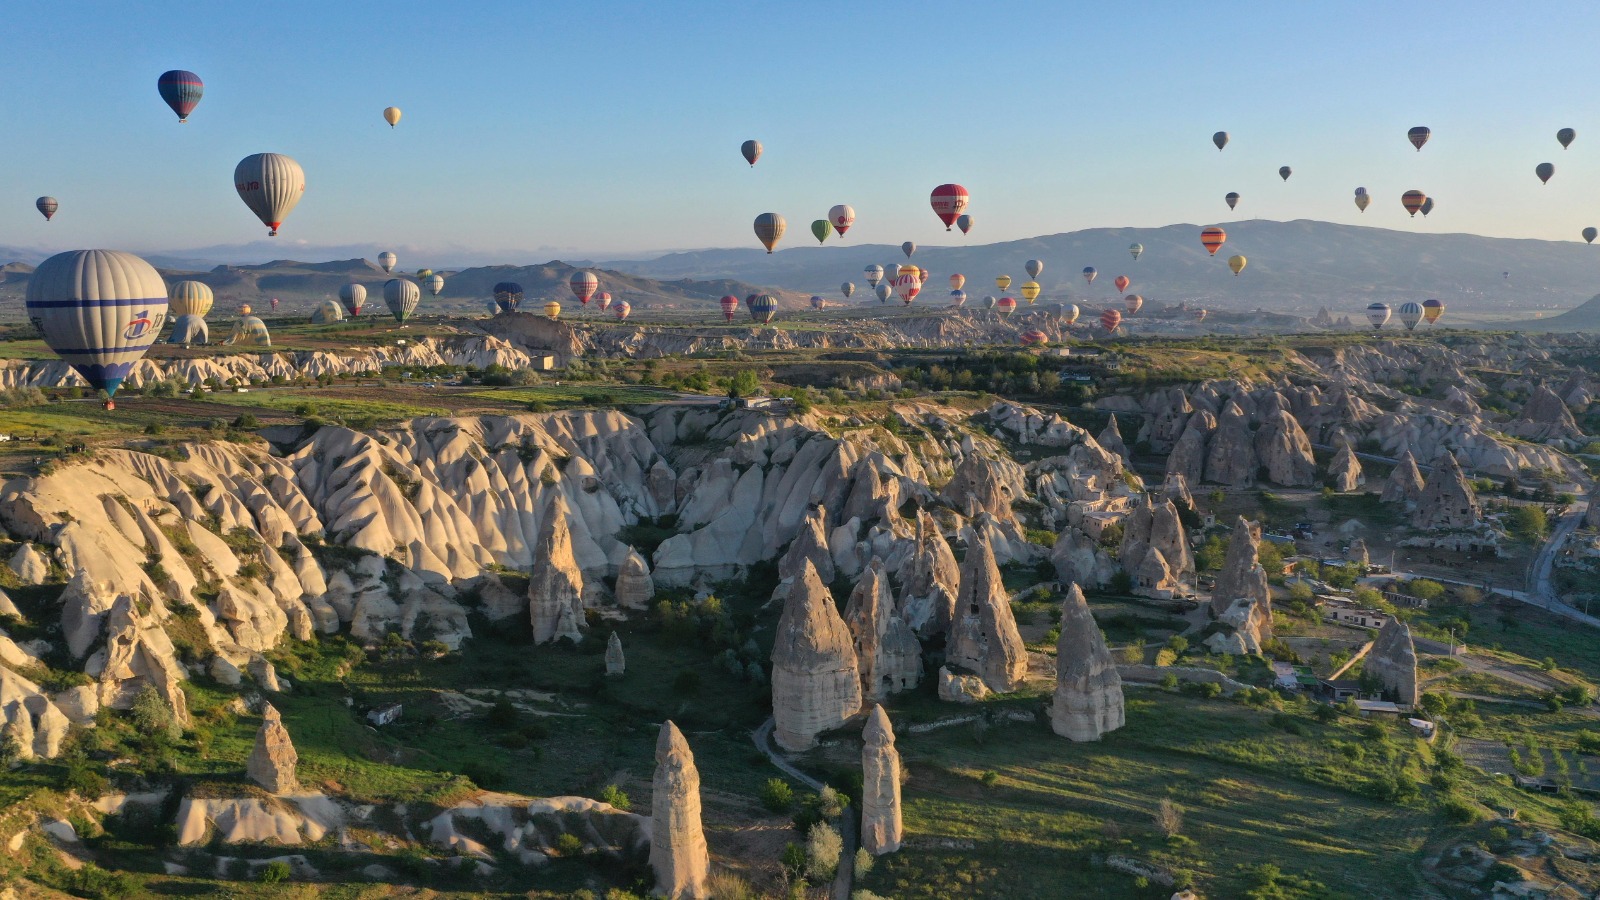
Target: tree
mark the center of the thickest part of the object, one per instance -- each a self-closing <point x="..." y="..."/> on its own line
<point x="1425" y="589"/>
<point x="824" y="846"/>
<point x="1169" y="818"/>
<point x="777" y="795"/>
<point x="1528" y="524"/>
<point x="743" y="384"/>
<point x="152" y="716"/>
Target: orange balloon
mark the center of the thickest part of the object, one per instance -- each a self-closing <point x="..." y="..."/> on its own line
<point x="1213" y="239"/>
<point x="1122" y="283"/>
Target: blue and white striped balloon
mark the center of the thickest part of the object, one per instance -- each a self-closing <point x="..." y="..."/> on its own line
<point x="99" y="310"/>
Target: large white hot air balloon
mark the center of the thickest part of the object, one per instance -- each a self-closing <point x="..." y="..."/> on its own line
<point x="387" y="259"/>
<point x="190" y="298"/>
<point x="1410" y="314"/>
<point x="353" y="296"/>
<point x="327" y="312"/>
<point x="841" y="217"/>
<point x="401" y="295"/>
<point x="435" y="284"/>
<point x="270" y="184"/>
<point x="1377" y="315"/>
<point x="99" y="310"/>
<point x="874" y="275"/>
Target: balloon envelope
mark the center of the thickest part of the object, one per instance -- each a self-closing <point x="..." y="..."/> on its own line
<point x="1122" y="282"/>
<point x="1432" y="310"/>
<point x="387" y="259"/>
<point x="1377" y="314"/>
<point x="1410" y="314"/>
<point x="769" y="229"/>
<point x="1419" y="136"/>
<point x="1232" y="199"/>
<point x="1237" y="263"/>
<point x="874" y="275"/>
<point x="1002" y="281"/>
<point x="181" y="90"/>
<point x="1005" y="306"/>
<point x="508" y="296"/>
<point x="841" y="217"/>
<point x="751" y="150"/>
<point x="847" y="289"/>
<point x="1133" y="303"/>
<point x="884" y="291"/>
<point x="47" y="206"/>
<point x="1412" y="201"/>
<point x="392" y="115"/>
<point x="958" y="298"/>
<point x="190" y="298"/>
<point x="1544" y="171"/>
<point x="1284" y="172"/>
<point x="1135" y="250"/>
<point x="730" y="305"/>
<point x="1034" y="338"/>
<point x="989" y="302"/>
<point x="1109" y="320"/>
<point x="1566" y="136"/>
<point x="1070" y="312"/>
<point x="583" y="285"/>
<point x="1590" y="233"/>
<point x="958" y="281"/>
<point x="603" y="299"/>
<point x="1362" y="200"/>
<point x="270" y="184"/>
<point x="907" y="287"/>
<point x="1220" y="139"/>
<point x="327" y="312"/>
<point x="353" y="296"/>
<point x="435" y="285"/>
<point x="817" y="302"/>
<point x="1089" y="274"/>
<point x="949" y="201"/>
<point x="401" y="295"/>
<point x="1034" y="267"/>
<point x="99" y="310"/>
<point x="621" y="309"/>
<point x="763" y="308"/>
<point x="552" y="310"/>
<point x="964" y="222"/>
<point x="1030" y="291"/>
<point x="821" y="228"/>
<point x="1213" y="239"/>
<point x="1427" y="207"/>
<point x="249" y="331"/>
<point x="908" y="248"/>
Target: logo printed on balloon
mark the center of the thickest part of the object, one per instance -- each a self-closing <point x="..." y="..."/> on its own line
<point x="141" y="323"/>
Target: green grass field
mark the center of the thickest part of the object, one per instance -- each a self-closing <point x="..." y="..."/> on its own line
<point x="578" y="394"/>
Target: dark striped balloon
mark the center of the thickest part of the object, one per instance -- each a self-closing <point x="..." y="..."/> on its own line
<point x="508" y="296"/>
<point x="763" y="308"/>
<point x="181" y="90"/>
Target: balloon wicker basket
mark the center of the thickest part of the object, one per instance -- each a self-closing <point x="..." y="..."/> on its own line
<point x="110" y="404"/>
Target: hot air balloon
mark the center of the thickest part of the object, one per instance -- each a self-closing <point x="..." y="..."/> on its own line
<point x="958" y="281"/>
<point x="1122" y="282"/>
<point x="1133" y="303"/>
<point x="270" y="184"/>
<point x="1109" y="320"/>
<point x="1232" y="199"/>
<point x="249" y="331"/>
<point x="1284" y="172"/>
<point x="989" y="302"/>
<point x="47" y="206"/>
<point x="1432" y="310"/>
<point x="847" y="289"/>
<point x="751" y="150"/>
<point x="874" y="275"/>
<point x="1427" y="207"/>
<point x="1033" y="267"/>
<point x="1034" y="338"/>
<point x="621" y="309"/>
<point x="401" y="295"/>
<point x="99" y="310"/>
<point x="1002" y="281"/>
<point x="353" y="296"/>
<point x="821" y="228"/>
<point x="1544" y="171"/>
<point x="964" y="222"/>
<point x="884" y="291"/>
<point x="908" y="248"/>
<point x="1590" y="233"/>
<point x="1135" y="249"/>
<point x="892" y="272"/>
<point x="327" y="312"/>
<point x="507" y="296"/>
<point x="730" y="306"/>
<point x="603" y="299"/>
<point x="1220" y="139"/>
<point x="763" y="308"/>
<point x="1030" y="290"/>
<point x="1213" y="239"/>
<point x="1237" y="264"/>
<point x="1412" y="201"/>
<point x="1361" y="192"/>
<point x="391" y="114"/>
<point x="1566" y="136"/>
<point x="1377" y="314"/>
<point x="583" y="284"/>
<point x="244" y="310"/>
<point x="1199" y="315"/>
<point x="1362" y="200"/>
<point x="1005" y="306"/>
<point x="817" y="301"/>
<point x="1410" y="314"/>
<point x="424" y="273"/>
<point x="181" y="90"/>
<point x="274" y="304"/>
<point x="190" y="298"/>
<point x="387" y="259"/>
<point x="949" y="201"/>
<point x="842" y="217"/>
<point x="1070" y="313"/>
<point x="1089" y="274"/>
<point x="958" y="298"/>
<point x="922" y="275"/>
<point x="907" y="287"/>
<point x="435" y="285"/>
<point x="552" y="310"/>
<point x="1419" y="136"/>
<point x="769" y="229"/>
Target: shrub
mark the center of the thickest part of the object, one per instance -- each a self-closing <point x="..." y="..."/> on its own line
<point x="1169" y="818"/>
<point x="569" y="844"/>
<point x="989" y="778"/>
<point x="616" y="797"/>
<point x="1458" y="811"/>
<point x="152" y="716"/>
<point x="864" y="862"/>
<point x="1203" y="689"/>
<point x="274" y="872"/>
<point x="777" y="795"/>
<point x="823" y="849"/>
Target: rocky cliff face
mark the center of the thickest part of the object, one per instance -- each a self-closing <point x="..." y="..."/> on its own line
<point x="678" y="854"/>
<point x="881" y="830"/>
<point x="816" y="684"/>
<point x="984" y="639"/>
<point x="1344" y="471"/>
<point x="1155" y="548"/>
<point x="555" y="589"/>
<point x="1405" y="482"/>
<point x="1242" y="580"/>
<point x="1088" y="698"/>
<point x="887" y="652"/>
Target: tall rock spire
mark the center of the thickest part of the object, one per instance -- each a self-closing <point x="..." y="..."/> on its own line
<point x="273" y="760"/>
<point x="1088" y="697"/>
<point x="880" y="786"/>
<point x="816" y="684"/>
<point x="984" y="638"/>
<point x="678" y="853"/>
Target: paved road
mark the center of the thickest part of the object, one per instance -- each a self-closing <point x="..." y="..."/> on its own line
<point x="844" y="880"/>
<point x="1540" y="592"/>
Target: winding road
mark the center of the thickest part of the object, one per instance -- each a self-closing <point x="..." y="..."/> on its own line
<point x="844" y="879"/>
<point x="1540" y="592"/>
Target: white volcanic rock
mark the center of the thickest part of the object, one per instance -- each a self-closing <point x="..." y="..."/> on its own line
<point x="980" y="487"/>
<point x="809" y="545"/>
<point x="1111" y="439"/>
<point x="881" y="829"/>
<point x="954" y="688"/>
<point x="29" y="718"/>
<point x="816" y="684"/>
<point x="1155" y="548"/>
<point x="1284" y="451"/>
<point x="616" y="663"/>
<point x="678" y="854"/>
<point x="984" y="638"/>
<point x="1545" y="417"/>
<point x="1405" y="484"/>
<point x="273" y="761"/>
<point x="137" y="653"/>
<point x="887" y="653"/>
<point x="635" y="588"/>
<point x="1242" y="577"/>
<point x="1088" y="697"/>
<point x="1231" y="453"/>
<point x="555" y="587"/>
<point x="1344" y="470"/>
<point x="30" y="565"/>
<point x="1189" y="453"/>
<point x="1448" y="501"/>
<point x="929" y="580"/>
<point x="1080" y="559"/>
<point x="1393" y="661"/>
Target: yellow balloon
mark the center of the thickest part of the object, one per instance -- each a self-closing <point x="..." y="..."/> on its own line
<point x="1030" y="291"/>
<point x="392" y="116"/>
<point x="552" y="309"/>
<point x="1002" y="282"/>
<point x="244" y="310"/>
<point x="1237" y="264"/>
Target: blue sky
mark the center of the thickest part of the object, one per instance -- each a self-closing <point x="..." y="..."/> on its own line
<point x="535" y="129"/>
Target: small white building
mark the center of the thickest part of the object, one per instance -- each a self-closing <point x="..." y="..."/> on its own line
<point x="383" y="715"/>
<point x="1355" y="618"/>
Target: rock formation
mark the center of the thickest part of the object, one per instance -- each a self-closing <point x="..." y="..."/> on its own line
<point x="273" y="760"/>
<point x="1088" y="695"/>
<point x="1284" y="451"/>
<point x="635" y="588"/>
<point x="1448" y="501"/>
<point x="1393" y="661"/>
<point x="555" y="585"/>
<point x="1111" y="438"/>
<point x="929" y="581"/>
<point x="984" y="639"/>
<point x="978" y="487"/>
<point x="955" y="688"/>
<point x="678" y="854"/>
<point x="1242" y="577"/>
<point x="1591" y="517"/>
<point x="1545" y="417"/>
<point x="1188" y="456"/>
<point x="810" y="545"/>
<point x="1176" y="489"/>
<point x="1405" y="484"/>
<point x="1155" y="549"/>
<point x="616" y="663"/>
<point x="816" y="684"/>
<point x="1357" y="553"/>
<point x="1344" y="471"/>
<point x="887" y="652"/>
<point x="880" y="786"/>
<point x="1231" y="453"/>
